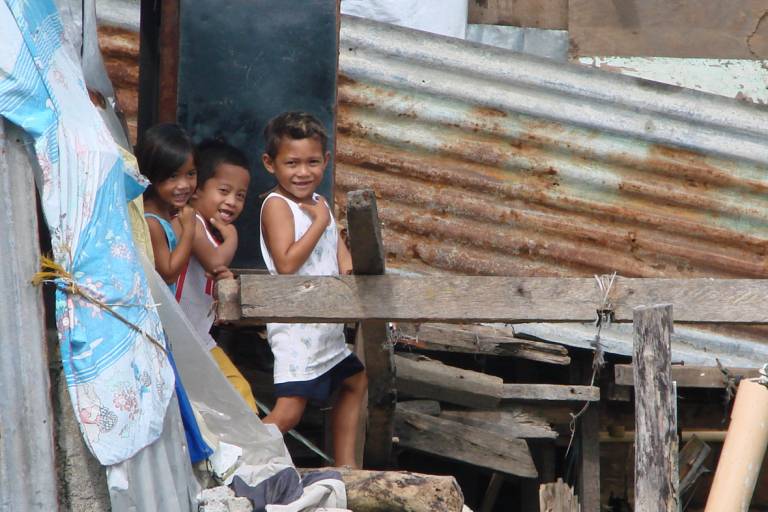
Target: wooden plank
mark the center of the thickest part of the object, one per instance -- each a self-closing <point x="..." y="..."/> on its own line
<point x="480" y="339"/>
<point x="550" y="392"/>
<point x="471" y="445"/>
<point x="656" y="474"/>
<point x="430" y="407"/>
<point x="428" y="378"/>
<point x="558" y="497"/>
<point x="509" y="423"/>
<point x="706" y="28"/>
<point x="551" y="14"/>
<point x="477" y="299"/>
<point x="689" y="376"/>
<point x="368" y="259"/>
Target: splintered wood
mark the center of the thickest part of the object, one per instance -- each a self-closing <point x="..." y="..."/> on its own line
<point x="557" y="497"/>
<point x="492" y="340"/>
<point x="472" y="445"/>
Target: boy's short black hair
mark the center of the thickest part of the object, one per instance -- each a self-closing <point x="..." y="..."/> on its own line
<point x="211" y="153"/>
<point x="297" y="126"/>
<point x="162" y="150"/>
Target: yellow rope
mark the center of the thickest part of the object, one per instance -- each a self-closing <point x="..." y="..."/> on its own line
<point x="52" y="272"/>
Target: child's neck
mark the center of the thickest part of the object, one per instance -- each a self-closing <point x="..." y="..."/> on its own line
<point x="306" y="200"/>
<point x="160" y="208"/>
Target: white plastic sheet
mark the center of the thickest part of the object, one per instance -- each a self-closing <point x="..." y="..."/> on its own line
<point x="444" y="17"/>
<point x="225" y="413"/>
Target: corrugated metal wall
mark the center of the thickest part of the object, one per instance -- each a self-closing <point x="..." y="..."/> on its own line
<point x="490" y="162"/>
<point x="120" y="48"/>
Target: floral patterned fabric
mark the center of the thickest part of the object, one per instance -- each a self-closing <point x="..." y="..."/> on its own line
<point x="305" y="351"/>
<point x="120" y="382"/>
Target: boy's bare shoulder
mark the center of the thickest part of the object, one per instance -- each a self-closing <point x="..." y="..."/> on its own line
<point x="275" y="206"/>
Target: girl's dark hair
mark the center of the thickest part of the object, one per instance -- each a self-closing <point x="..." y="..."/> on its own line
<point x="162" y="150"/>
<point x="211" y="153"/>
<point x="294" y="125"/>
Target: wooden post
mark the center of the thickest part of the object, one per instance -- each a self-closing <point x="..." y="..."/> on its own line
<point x="587" y="439"/>
<point x="368" y="259"/>
<point x="228" y="300"/>
<point x="656" y="451"/>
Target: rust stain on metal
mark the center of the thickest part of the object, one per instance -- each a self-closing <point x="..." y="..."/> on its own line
<point x="120" y="49"/>
<point x="468" y="188"/>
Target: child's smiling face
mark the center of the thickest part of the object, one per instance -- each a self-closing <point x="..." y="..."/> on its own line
<point x="177" y="189"/>
<point x="222" y="196"/>
<point x="298" y="167"/>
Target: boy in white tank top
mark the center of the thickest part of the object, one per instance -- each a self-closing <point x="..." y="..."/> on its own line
<point x="299" y="236"/>
<point x="222" y="185"/>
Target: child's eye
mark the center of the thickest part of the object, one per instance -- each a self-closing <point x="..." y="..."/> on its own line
<point x="241" y="197"/>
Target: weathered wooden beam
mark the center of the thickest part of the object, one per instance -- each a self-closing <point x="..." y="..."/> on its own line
<point x="480" y="339"/>
<point x="656" y="453"/>
<point x="368" y="259"/>
<point x="428" y="378"/>
<point x="471" y="445"/>
<point x="550" y="393"/>
<point x="689" y="376"/>
<point x="477" y="299"/>
<point x="512" y="424"/>
<point x="395" y="491"/>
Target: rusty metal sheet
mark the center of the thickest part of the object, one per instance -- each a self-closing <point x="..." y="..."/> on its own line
<point x="490" y="162"/>
<point x="737" y="29"/>
<point x="120" y="50"/>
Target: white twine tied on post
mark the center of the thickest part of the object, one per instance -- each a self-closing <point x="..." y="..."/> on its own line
<point x="604" y="318"/>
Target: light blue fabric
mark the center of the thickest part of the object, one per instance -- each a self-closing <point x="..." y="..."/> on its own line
<point x="170" y="237"/>
<point x="198" y="449"/>
<point x="120" y="382"/>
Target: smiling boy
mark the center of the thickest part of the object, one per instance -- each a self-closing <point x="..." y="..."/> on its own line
<point x="222" y="185"/>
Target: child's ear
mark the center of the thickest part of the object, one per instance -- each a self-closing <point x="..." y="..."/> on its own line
<point x="268" y="164"/>
<point x="327" y="158"/>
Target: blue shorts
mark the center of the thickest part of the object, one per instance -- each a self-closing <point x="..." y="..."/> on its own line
<point x="320" y="389"/>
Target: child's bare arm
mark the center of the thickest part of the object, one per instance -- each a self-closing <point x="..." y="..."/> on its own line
<point x="278" y="229"/>
<point x="344" y="257"/>
<point x="170" y="263"/>
<point x="210" y="256"/>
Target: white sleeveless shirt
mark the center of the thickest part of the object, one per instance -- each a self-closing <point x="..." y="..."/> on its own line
<point x="306" y="351"/>
<point x="194" y="291"/>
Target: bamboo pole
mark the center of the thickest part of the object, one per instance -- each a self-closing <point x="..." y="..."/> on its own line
<point x="743" y="451"/>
